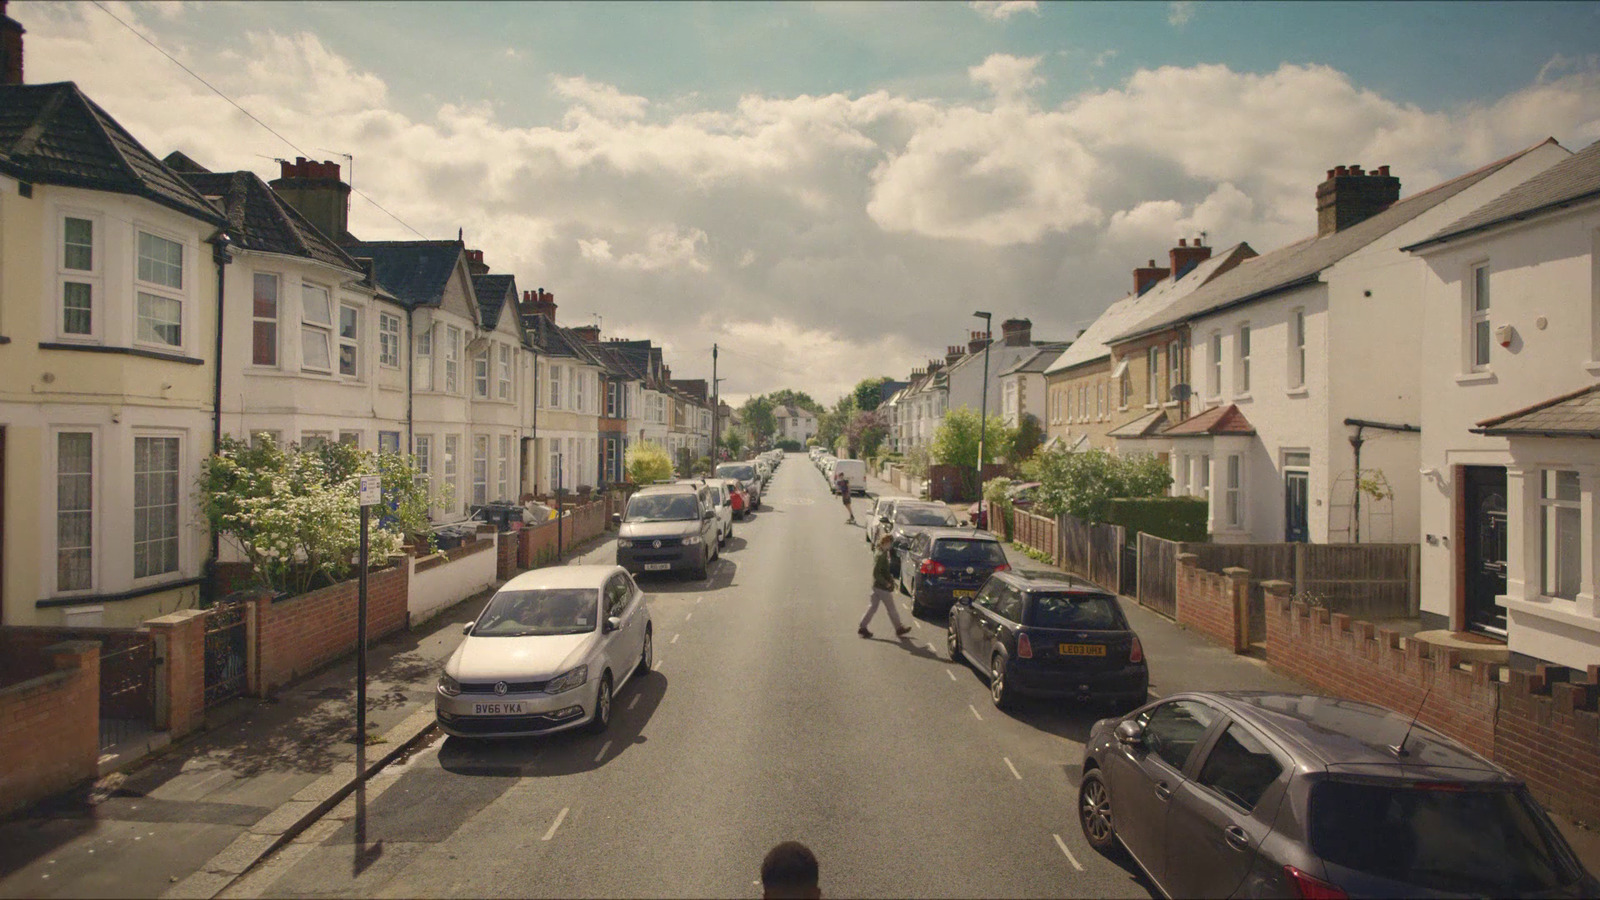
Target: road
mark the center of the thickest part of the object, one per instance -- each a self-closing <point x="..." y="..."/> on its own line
<point x="767" y="719"/>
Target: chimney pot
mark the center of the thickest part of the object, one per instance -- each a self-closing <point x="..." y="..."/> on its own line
<point x="1330" y="174"/>
<point x="1356" y="170"/>
<point x="1346" y="201"/>
<point x="1384" y="171"/>
<point x="1182" y="242"/>
<point x="1340" y="170"/>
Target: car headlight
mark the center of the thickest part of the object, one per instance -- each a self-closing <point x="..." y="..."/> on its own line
<point x="624" y="544"/>
<point x="692" y="539"/>
<point x="449" y="686"/>
<point x="567" y="681"/>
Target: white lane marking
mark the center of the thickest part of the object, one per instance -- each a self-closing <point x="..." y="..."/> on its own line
<point x="698" y="599"/>
<point x="607" y="746"/>
<point x="657" y="666"/>
<point x="1012" y="768"/>
<point x="688" y="617"/>
<point x="1070" y="858"/>
<point x="974" y="712"/>
<point x="674" y="639"/>
<point x="563" y="815"/>
<point x="635" y="701"/>
<point x="951" y="674"/>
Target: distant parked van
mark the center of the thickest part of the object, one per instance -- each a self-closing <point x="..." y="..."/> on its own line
<point x="853" y="469"/>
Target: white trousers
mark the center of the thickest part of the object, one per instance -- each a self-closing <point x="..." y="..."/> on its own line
<point x="886" y="600"/>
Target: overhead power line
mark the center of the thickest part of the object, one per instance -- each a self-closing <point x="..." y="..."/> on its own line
<point x="252" y="116"/>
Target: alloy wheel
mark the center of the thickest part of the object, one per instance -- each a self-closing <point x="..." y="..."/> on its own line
<point x="1094" y="812"/>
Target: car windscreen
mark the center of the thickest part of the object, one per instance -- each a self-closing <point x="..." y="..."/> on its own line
<point x="967" y="552"/>
<point x="928" y="516"/>
<point x="716" y="494"/>
<point x="539" y="612"/>
<point x="1089" y="612"/>
<point x="742" y="472"/>
<point x="1453" y="838"/>
<point x="662" y="507"/>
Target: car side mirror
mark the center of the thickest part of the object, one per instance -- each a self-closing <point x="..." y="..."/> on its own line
<point x="616" y="518"/>
<point x="708" y="514"/>
<point x="1130" y="734"/>
<point x="612" y="624"/>
<point x="467" y="628"/>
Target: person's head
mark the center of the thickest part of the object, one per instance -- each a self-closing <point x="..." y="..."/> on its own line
<point x="790" y="871"/>
<point x="885" y="540"/>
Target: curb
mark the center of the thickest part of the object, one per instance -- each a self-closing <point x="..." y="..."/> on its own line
<point x="285" y="823"/>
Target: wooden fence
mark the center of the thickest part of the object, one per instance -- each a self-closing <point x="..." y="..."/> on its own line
<point x="1093" y="551"/>
<point x="1158" y="574"/>
<point x="1033" y="531"/>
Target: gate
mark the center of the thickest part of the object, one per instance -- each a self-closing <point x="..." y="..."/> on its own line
<point x="225" y="652"/>
<point x="1158" y="574"/>
<point x="127" y="688"/>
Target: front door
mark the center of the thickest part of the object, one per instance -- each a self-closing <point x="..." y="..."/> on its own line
<point x="1296" y="493"/>
<point x="1483" y="498"/>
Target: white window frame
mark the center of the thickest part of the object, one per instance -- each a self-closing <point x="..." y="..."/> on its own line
<point x="257" y="320"/>
<point x="1241" y="355"/>
<point x="353" y="341"/>
<point x="579" y="379"/>
<point x="175" y="535"/>
<point x="310" y="439"/>
<point x="93" y="509"/>
<point x="388" y="340"/>
<point x="1553" y="526"/>
<point x="555" y="386"/>
<point x="1214" y="377"/>
<point x="1204" y="487"/>
<point x="503" y="382"/>
<point x="1233" y="491"/>
<point x="1180" y="481"/>
<point x="92" y="277"/>
<point x="388" y="441"/>
<point x="178" y="294"/>
<point x="353" y="438"/>
<point x="1152" y="371"/>
<point x="1478" y="309"/>
<point x="1174" y="368"/>
<point x="503" y="468"/>
<point x="1297" y="348"/>
<point x="452" y="359"/>
<point x="449" y="471"/>
<point x="422" y="458"/>
<point x="480" y="469"/>
<point x="422" y="360"/>
<point x="480" y="372"/>
<point x="311" y="328"/>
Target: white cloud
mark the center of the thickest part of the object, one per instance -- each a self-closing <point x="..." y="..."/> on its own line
<point x="1000" y="10"/>
<point x="1103" y="57"/>
<point x="826" y="237"/>
<point x="1180" y="12"/>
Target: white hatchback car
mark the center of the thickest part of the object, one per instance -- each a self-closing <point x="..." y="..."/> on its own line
<point x="548" y="653"/>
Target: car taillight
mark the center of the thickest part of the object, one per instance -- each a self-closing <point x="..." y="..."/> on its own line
<point x="1136" y="652"/>
<point x="931" y="567"/>
<point x="1024" y="646"/>
<point x="1003" y="567"/>
<point x="1308" y="888"/>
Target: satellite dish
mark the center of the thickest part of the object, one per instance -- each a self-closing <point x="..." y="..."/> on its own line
<point x="1181" y="392"/>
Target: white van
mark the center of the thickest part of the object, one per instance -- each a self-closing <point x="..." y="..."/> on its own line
<point x="853" y="469"/>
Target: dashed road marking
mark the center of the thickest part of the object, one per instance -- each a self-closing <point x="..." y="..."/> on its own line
<point x="1012" y="767"/>
<point x="657" y="666"/>
<point x="974" y="712"/>
<point x="560" y="817"/>
<point x="951" y="674"/>
<point x="688" y="617"/>
<point x="674" y="639"/>
<point x="635" y="701"/>
<point x="1070" y="858"/>
<point x="607" y="746"/>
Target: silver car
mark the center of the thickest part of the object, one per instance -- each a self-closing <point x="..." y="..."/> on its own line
<point x="548" y="653"/>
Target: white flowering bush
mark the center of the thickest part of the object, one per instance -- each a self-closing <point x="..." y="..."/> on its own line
<point x="293" y="512"/>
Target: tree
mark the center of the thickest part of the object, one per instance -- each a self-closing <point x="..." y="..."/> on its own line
<point x="1030" y="435"/>
<point x="758" y="419"/>
<point x="787" y="397"/>
<point x="647" y="462"/>
<point x="734" y="441"/>
<point x="868" y="392"/>
<point x="956" y="444"/>
<point x="865" y="433"/>
<point x="1083" y="483"/>
<point x="831" y="424"/>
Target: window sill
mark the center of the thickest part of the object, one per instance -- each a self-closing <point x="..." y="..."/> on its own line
<point x="86" y="599"/>
<point x="1476" y="378"/>
<point x="1592" y="367"/>
<point x="1297" y="392"/>
<point x="1152" y="406"/>
<point x="1244" y="396"/>
<point x="1555" y="610"/>
<point x="126" y="351"/>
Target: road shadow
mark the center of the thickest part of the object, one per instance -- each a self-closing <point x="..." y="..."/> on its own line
<point x="720" y="575"/>
<point x="735" y="543"/>
<point x="563" y="753"/>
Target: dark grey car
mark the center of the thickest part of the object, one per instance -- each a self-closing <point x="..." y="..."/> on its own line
<point x="666" y="528"/>
<point x="1280" y="795"/>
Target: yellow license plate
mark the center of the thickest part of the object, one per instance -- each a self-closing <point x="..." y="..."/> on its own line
<point x="1083" y="649"/>
<point x="959" y="594"/>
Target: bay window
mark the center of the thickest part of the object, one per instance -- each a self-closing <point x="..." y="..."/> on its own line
<point x="159" y="296"/>
<point x="1560" y="533"/>
<point x="349" y="340"/>
<point x="264" y="320"/>
<point x="74" y="511"/>
<point x="316" y="328"/>
<point x="155" y="506"/>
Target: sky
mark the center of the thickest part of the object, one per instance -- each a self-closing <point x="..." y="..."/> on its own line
<point x="828" y="191"/>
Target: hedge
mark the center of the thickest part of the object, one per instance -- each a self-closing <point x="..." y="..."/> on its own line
<point x="1173" y="518"/>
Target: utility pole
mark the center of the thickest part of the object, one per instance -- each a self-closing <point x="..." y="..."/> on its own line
<point x="716" y="408"/>
<point x="983" y="407"/>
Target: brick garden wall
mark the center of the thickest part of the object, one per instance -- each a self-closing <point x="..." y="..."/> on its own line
<point x="50" y="726"/>
<point x="296" y="635"/>
<point x="1546" y="732"/>
<point x="1214" y="604"/>
<point x="537" y="545"/>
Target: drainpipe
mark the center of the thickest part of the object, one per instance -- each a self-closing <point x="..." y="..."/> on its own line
<point x="220" y="256"/>
<point x="411" y="383"/>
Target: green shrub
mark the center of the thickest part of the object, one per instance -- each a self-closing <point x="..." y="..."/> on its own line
<point x="1173" y="518"/>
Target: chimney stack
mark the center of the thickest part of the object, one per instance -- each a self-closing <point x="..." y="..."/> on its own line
<point x="1017" y="332"/>
<point x="1144" y="278"/>
<point x="1185" y="257"/>
<point x="953" y="354"/>
<point x="539" y="303"/>
<point x="935" y="365"/>
<point x="979" y="340"/>
<point x="475" y="263"/>
<point x="314" y="189"/>
<point x="1350" y="196"/>
<point x="11" y="32"/>
<point x="589" y="334"/>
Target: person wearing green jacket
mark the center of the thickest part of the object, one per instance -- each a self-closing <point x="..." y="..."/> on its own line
<point x="882" y="590"/>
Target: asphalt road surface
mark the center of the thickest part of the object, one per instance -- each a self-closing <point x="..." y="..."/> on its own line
<point x="767" y="719"/>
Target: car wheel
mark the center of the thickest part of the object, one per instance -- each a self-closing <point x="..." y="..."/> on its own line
<point x="705" y="564"/>
<point x="999" y="688"/>
<point x="648" y="654"/>
<point x="1094" y="812"/>
<point x="602" y="707"/>
<point x="952" y="642"/>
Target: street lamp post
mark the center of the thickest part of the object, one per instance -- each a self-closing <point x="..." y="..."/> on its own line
<point x="983" y="410"/>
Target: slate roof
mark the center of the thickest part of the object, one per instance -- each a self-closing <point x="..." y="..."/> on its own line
<point x="1093" y="344"/>
<point x="1302" y="262"/>
<point x="1035" y="362"/>
<point x="1148" y="425"/>
<point x="492" y="291"/>
<point x="1571" y="415"/>
<point x="415" y="272"/>
<point x="1573" y="180"/>
<point x="1214" y="421"/>
<point x="53" y="134"/>
<point x="258" y="219"/>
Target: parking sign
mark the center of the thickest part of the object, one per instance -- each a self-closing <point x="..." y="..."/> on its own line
<point x="370" y="492"/>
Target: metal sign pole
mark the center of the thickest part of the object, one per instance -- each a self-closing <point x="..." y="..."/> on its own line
<point x="371" y="491"/>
